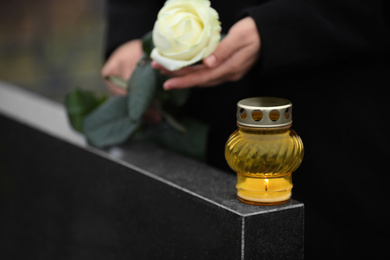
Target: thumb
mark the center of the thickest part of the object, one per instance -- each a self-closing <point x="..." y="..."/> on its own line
<point x="223" y="51"/>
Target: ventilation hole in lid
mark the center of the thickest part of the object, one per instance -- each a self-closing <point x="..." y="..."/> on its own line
<point x="287" y="113"/>
<point x="257" y="115"/>
<point x="274" y="115"/>
<point x="242" y="113"/>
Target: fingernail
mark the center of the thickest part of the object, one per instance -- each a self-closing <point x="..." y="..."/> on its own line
<point x="211" y="61"/>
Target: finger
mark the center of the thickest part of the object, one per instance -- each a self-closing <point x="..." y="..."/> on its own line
<point x="231" y="70"/>
<point x="114" y="90"/>
<point x="224" y="50"/>
<point x="204" y="77"/>
<point x="157" y="66"/>
<point x="177" y="73"/>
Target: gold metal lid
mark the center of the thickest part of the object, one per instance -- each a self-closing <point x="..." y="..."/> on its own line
<point x="264" y="112"/>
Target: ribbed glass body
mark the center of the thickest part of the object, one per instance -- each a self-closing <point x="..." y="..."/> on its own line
<point x="264" y="159"/>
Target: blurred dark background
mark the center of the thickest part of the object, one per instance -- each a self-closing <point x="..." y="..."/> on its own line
<point x="52" y="47"/>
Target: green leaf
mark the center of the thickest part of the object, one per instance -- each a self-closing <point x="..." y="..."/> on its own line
<point x="109" y="124"/>
<point x="117" y="81"/>
<point x="192" y="143"/>
<point x="78" y="104"/>
<point x="147" y="43"/>
<point x="142" y="87"/>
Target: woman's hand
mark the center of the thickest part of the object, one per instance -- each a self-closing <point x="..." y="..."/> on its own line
<point x="232" y="59"/>
<point x="122" y="62"/>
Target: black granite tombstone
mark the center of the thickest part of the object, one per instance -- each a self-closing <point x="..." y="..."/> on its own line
<point x="62" y="199"/>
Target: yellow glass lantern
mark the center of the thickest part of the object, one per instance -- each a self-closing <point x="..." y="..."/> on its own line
<point x="264" y="150"/>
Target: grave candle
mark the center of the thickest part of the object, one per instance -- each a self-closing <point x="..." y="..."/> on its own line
<point x="264" y="150"/>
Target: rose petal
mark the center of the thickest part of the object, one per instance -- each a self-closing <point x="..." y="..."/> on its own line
<point x="185" y="32"/>
<point x="172" y="64"/>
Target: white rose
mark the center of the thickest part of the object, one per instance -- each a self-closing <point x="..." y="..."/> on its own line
<point x="186" y="31"/>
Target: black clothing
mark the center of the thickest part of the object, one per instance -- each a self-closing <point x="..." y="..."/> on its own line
<point x="331" y="59"/>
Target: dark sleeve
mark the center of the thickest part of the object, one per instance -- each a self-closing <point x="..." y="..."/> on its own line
<point x="129" y="19"/>
<point x="306" y="33"/>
